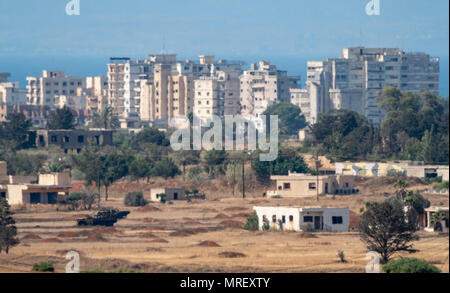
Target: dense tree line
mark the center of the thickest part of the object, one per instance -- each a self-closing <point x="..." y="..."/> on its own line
<point x="415" y="128"/>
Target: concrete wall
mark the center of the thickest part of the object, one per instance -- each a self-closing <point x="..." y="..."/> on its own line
<point x="279" y="212"/>
<point x="55" y="179"/>
<point x="169" y="192"/>
<point x="293" y="218"/>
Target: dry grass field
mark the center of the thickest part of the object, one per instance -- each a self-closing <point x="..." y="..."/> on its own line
<point x="204" y="236"/>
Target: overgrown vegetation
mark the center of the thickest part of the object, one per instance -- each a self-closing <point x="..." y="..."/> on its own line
<point x="410" y="266"/>
<point x="43" y="267"/>
<point x="252" y="223"/>
<point x="134" y="199"/>
<point x="8" y="230"/>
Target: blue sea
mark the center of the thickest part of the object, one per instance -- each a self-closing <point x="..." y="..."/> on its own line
<point x="21" y="67"/>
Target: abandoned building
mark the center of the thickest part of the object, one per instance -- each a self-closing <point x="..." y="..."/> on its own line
<point x="406" y="168"/>
<point x="73" y="140"/>
<point x="46" y="189"/>
<point x="306" y="185"/>
<point x="435" y="219"/>
<point x="304" y="218"/>
<point x="169" y="194"/>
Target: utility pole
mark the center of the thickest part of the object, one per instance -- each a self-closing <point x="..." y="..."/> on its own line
<point x="234" y="177"/>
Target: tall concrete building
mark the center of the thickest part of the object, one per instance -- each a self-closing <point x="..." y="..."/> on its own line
<point x="41" y="91"/>
<point x="263" y="85"/>
<point x="170" y="90"/>
<point x="217" y="95"/>
<point x="354" y="79"/>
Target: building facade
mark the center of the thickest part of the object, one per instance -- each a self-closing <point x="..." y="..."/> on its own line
<point x="41" y="91"/>
<point x="354" y="79"/>
<point x="263" y="85"/>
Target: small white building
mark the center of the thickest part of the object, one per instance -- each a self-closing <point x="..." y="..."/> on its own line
<point x="304" y="218"/>
<point x="169" y="194"/>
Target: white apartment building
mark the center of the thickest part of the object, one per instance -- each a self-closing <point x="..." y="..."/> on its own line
<point x="41" y="91"/>
<point x="11" y="94"/>
<point x="263" y="85"/>
<point x="96" y="93"/>
<point x="363" y="72"/>
<point x="300" y="98"/>
<point x="216" y="95"/>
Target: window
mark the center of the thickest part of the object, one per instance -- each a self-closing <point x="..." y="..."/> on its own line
<point x="291" y="218"/>
<point x="274" y="218"/>
<point x="81" y="138"/>
<point x="312" y="186"/>
<point x="66" y="139"/>
<point x="283" y="218"/>
<point x="287" y="186"/>
<point x="336" y="220"/>
<point x="307" y="219"/>
<point x="35" y="197"/>
<point x="53" y="138"/>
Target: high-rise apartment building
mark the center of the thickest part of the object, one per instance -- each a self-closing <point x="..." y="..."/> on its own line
<point x="263" y="85"/>
<point x="41" y="91"/>
<point x="354" y="79"/>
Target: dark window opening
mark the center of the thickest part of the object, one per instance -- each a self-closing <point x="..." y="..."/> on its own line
<point x="274" y="218"/>
<point x="52" y="197"/>
<point x="35" y="197"/>
<point x="307" y="219"/>
<point x="287" y="186"/>
<point x="291" y="218"/>
<point x="336" y="220"/>
<point x="81" y="138"/>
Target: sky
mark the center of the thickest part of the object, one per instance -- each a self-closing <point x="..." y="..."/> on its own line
<point x="248" y="30"/>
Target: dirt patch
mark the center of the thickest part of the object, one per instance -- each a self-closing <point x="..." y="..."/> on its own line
<point x="208" y="244"/>
<point x="155" y="228"/>
<point x="259" y="201"/>
<point x="221" y="216"/>
<point x="192" y="223"/>
<point x="211" y="210"/>
<point x="150" y="220"/>
<point x="148" y="235"/>
<point x="76" y="217"/>
<point x="235" y="209"/>
<point x="231" y="254"/>
<point x="232" y="224"/>
<point x="51" y="240"/>
<point x="148" y="208"/>
<point x="307" y="235"/>
<point x="159" y="240"/>
<point x="242" y="215"/>
<point x="31" y="236"/>
<point x="182" y="233"/>
<point x="68" y="234"/>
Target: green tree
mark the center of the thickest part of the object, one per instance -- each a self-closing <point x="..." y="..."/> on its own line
<point x="141" y="167"/>
<point x="410" y="266"/>
<point x="165" y="168"/>
<point x="8" y="230"/>
<point x="106" y="119"/>
<point x="385" y="229"/>
<point x="287" y="160"/>
<point x="214" y="162"/>
<point x="14" y="132"/>
<point x="90" y="162"/>
<point x="62" y="118"/>
<point x="150" y="135"/>
<point x="290" y="118"/>
<point x="115" y="166"/>
<point x="185" y="158"/>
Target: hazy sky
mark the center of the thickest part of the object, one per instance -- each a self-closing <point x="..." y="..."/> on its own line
<point x="222" y="27"/>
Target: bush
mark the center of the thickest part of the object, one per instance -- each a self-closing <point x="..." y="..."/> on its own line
<point x="410" y="265"/>
<point x="134" y="199"/>
<point x="252" y="223"/>
<point x="308" y="227"/>
<point x="43" y="267"/>
<point x="266" y="225"/>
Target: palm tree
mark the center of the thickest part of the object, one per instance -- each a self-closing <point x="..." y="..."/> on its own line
<point x="105" y="119"/>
